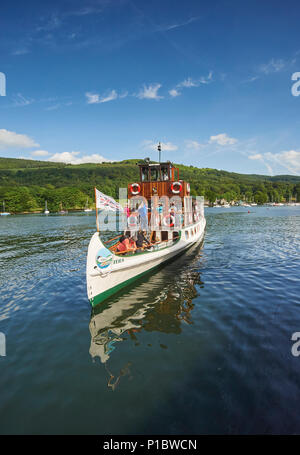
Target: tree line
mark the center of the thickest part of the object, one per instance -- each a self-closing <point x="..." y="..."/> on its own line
<point x="25" y="186"/>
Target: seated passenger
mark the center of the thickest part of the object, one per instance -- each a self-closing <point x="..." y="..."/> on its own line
<point x="141" y="239"/>
<point x="126" y="244"/>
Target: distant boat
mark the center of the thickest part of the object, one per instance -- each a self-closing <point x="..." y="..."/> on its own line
<point x="46" y="212"/>
<point x="4" y="213"/>
<point x="61" y="211"/>
<point x="87" y="209"/>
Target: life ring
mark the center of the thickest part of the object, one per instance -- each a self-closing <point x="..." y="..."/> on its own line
<point x="132" y="221"/>
<point x="188" y="188"/>
<point x="174" y="191"/>
<point x="132" y="188"/>
<point x="166" y="221"/>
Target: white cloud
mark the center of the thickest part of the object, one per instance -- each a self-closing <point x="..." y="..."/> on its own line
<point x="257" y="156"/>
<point x="94" y="98"/>
<point x="187" y="83"/>
<point x="12" y="139"/>
<point x="40" y="153"/>
<point x="194" y="145"/>
<point x="222" y="139"/>
<point x="174" y="93"/>
<point x="73" y="158"/>
<point x="165" y="146"/>
<point x="150" y="92"/>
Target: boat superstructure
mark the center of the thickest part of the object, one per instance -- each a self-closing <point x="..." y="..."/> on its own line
<point x="173" y="220"/>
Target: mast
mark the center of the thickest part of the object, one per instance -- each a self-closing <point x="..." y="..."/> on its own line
<point x="159" y="152"/>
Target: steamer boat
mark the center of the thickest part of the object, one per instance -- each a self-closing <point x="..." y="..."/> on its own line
<point x="160" y="207"/>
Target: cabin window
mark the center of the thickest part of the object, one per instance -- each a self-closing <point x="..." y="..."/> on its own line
<point x="154" y="174"/>
<point x="164" y="236"/>
<point x="164" y="173"/>
<point x="144" y="174"/>
<point x="186" y="235"/>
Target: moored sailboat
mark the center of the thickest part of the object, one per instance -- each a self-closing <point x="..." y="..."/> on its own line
<point x="4" y="213"/>
<point x="46" y="212"/>
<point x="87" y="208"/>
<point x="61" y="210"/>
<point x="173" y="219"/>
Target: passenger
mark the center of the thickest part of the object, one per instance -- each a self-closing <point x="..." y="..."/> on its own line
<point x="132" y="244"/>
<point x="141" y="240"/>
<point x="126" y="244"/>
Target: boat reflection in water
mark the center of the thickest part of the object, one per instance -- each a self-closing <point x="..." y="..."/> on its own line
<point x="161" y="304"/>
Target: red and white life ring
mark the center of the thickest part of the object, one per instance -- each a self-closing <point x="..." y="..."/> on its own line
<point x="168" y="221"/>
<point x="133" y="222"/>
<point x="133" y="190"/>
<point x="179" y="185"/>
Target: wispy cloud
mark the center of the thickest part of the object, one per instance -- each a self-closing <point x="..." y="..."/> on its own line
<point x="19" y="100"/>
<point x="51" y="23"/>
<point x="10" y="139"/>
<point x="95" y="98"/>
<point x="150" y="92"/>
<point x="194" y="145"/>
<point x="165" y="28"/>
<point x="273" y="66"/>
<point x="289" y="160"/>
<point x="189" y="82"/>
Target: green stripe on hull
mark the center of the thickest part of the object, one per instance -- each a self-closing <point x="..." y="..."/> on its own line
<point x="106" y="294"/>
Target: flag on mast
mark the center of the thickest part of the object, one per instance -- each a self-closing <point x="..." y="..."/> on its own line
<point x="104" y="202"/>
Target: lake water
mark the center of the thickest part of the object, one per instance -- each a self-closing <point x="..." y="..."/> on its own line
<point x="201" y="346"/>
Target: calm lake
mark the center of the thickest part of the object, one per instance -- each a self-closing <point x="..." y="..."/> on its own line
<point x="201" y="346"/>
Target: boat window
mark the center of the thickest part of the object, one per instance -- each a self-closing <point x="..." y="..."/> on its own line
<point x="154" y="174"/>
<point x="145" y="174"/>
<point x="164" y="173"/>
<point x="186" y="234"/>
<point x="164" y="236"/>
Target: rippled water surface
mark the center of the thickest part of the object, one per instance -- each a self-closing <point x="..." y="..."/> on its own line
<point x="201" y="346"/>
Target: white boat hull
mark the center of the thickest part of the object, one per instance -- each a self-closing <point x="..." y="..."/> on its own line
<point x="123" y="270"/>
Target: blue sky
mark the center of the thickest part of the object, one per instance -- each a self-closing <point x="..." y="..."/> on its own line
<point x="108" y="79"/>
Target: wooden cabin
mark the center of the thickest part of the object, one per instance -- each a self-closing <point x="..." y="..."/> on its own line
<point x="158" y="179"/>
